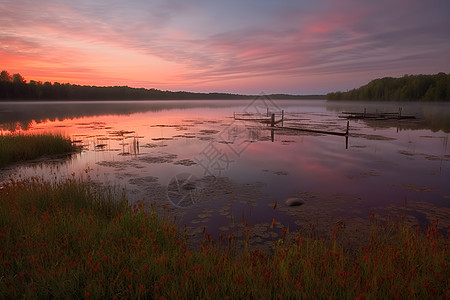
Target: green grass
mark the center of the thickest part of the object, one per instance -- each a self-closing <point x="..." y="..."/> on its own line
<point x="15" y="148"/>
<point x="71" y="240"/>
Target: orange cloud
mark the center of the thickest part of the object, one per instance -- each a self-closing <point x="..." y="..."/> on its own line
<point x="279" y="46"/>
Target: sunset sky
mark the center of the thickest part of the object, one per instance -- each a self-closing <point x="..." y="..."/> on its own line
<point x="237" y="46"/>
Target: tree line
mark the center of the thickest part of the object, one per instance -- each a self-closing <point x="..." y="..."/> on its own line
<point x="407" y="88"/>
<point x="15" y="87"/>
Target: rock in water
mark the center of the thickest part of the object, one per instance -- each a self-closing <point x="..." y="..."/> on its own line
<point x="294" y="201"/>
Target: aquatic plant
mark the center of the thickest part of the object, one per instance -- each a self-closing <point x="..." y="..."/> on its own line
<point x="74" y="240"/>
<point x="19" y="147"/>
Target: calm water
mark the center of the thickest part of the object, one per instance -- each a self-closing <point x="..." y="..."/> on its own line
<point x="216" y="172"/>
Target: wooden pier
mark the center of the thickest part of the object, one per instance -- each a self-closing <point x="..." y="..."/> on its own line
<point x="377" y="115"/>
<point x="320" y="131"/>
<point x="271" y="119"/>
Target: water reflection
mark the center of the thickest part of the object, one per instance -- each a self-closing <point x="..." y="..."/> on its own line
<point x="20" y="115"/>
<point x="434" y="116"/>
<point x="144" y="146"/>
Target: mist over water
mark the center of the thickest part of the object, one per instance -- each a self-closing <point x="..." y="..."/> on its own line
<point x="217" y="172"/>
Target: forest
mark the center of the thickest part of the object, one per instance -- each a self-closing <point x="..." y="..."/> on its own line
<point x="407" y="88"/>
<point x="15" y="87"/>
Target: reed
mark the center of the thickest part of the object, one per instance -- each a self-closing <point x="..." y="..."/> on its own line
<point x="19" y="147"/>
<point x="74" y="240"/>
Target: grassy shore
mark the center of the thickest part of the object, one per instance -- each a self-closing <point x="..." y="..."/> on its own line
<point x="70" y="240"/>
<point x="15" y="148"/>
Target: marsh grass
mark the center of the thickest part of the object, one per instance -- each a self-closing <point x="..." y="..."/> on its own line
<point x="72" y="240"/>
<point x="18" y="147"/>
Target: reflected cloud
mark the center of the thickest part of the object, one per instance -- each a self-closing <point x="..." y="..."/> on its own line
<point x="142" y="146"/>
<point x="15" y="116"/>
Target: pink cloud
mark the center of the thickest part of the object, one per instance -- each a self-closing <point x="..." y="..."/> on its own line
<point x="280" y="47"/>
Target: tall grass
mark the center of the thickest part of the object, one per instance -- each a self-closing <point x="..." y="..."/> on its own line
<point x="14" y="148"/>
<point x="69" y="240"/>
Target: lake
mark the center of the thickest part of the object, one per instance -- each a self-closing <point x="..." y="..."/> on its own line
<point x="193" y="159"/>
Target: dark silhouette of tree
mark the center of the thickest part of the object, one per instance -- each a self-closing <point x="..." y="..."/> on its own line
<point x="17" y="78"/>
<point x="5" y="77"/>
<point x="6" y="85"/>
<point x="15" y="87"/>
<point x="407" y="88"/>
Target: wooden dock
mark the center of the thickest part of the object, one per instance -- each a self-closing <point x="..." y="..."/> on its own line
<point x="271" y="119"/>
<point x="377" y="115"/>
<point x="318" y="131"/>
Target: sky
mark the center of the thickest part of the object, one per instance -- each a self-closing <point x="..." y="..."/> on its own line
<point x="235" y="46"/>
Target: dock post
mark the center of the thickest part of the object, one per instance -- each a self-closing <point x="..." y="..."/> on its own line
<point x="272" y="123"/>
<point x="364" y="113"/>
<point x="346" y="132"/>
<point x="267" y="111"/>
<point x="282" y="117"/>
<point x="399" y="112"/>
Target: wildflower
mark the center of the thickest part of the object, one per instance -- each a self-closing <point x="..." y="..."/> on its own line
<point x="20" y="276"/>
<point x="283" y="232"/>
<point x="96" y="268"/>
<point x="360" y="296"/>
<point x="145" y="268"/>
<point x="239" y="279"/>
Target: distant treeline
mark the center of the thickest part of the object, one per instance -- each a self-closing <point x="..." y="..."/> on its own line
<point x="15" y="87"/>
<point x="407" y="88"/>
<point x="307" y="97"/>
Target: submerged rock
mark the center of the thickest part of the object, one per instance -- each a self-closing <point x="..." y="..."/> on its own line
<point x="294" y="201"/>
